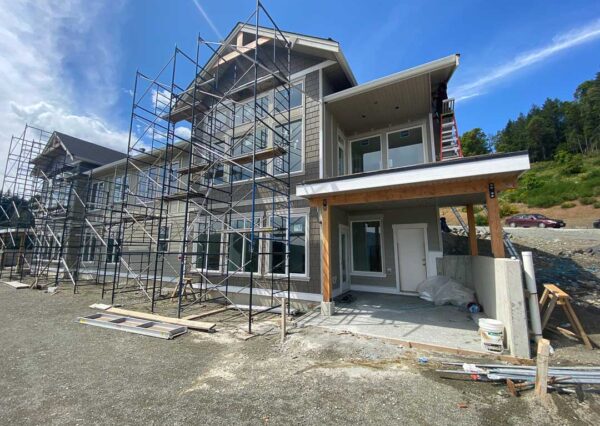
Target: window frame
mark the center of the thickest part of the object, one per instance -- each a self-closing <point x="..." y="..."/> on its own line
<point x="230" y="234"/>
<point x="362" y="138"/>
<point x="164" y="240"/>
<point x="387" y="144"/>
<point x="305" y="213"/>
<point x="374" y="218"/>
<point x="221" y="253"/>
<point x="341" y="146"/>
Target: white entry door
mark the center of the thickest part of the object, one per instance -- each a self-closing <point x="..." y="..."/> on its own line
<point x="410" y="242"/>
<point x="344" y="254"/>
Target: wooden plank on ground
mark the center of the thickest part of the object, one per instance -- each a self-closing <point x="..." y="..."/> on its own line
<point x="194" y="325"/>
<point x="16" y="284"/>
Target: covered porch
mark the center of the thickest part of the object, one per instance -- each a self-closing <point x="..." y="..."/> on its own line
<point x="397" y="211"/>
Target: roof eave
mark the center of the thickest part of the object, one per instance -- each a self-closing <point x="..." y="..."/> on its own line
<point x="451" y="60"/>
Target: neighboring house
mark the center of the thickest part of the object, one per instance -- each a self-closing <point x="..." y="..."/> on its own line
<point x="370" y="166"/>
<point x="63" y="197"/>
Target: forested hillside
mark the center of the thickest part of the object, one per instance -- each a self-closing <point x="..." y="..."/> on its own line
<point x="563" y="140"/>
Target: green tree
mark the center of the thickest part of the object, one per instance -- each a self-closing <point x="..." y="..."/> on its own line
<point x="475" y="142"/>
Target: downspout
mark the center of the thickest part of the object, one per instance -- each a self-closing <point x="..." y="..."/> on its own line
<point x="321" y="125"/>
<point x="534" y="308"/>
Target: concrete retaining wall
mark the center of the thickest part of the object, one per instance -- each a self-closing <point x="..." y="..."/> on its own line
<point x="498" y="284"/>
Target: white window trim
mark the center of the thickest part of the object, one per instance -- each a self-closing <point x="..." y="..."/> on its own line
<point x="344" y="151"/>
<point x="371" y="218"/>
<point x="293" y="214"/>
<point x="114" y="245"/>
<point x="165" y="239"/>
<point x="118" y="196"/>
<point x="240" y="272"/>
<point x="381" y="163"/>
<point x="403" y="129"/>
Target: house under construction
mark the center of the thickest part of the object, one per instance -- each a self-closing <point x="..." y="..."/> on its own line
<point x="259" y="169"/>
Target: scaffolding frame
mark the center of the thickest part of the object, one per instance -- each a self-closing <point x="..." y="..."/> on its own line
<point x="44" y="184"/>
<point x="192" y="191"/>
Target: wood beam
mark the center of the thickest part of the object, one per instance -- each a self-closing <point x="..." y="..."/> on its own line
<point x="241" y="49"/>
<point x="496" y="231"/>
<point x="325" y="251"/>
<point x="410" y="192"/>
<point x="472" y="230"/>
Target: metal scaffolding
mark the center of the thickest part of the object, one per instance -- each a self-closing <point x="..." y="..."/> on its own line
<point x="41" y="224"/>
<point x="204" y="213"/>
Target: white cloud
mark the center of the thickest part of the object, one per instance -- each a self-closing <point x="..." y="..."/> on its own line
<point x="500" y="72"/>
<point x="183" y="132"/>
<point x="59" y="59"/>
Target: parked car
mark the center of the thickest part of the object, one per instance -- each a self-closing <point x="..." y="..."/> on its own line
<point x="529" y="220"/>
<point x="596" y="224"/>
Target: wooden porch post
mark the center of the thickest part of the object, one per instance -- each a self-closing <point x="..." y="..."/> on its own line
<point x="325" y="251"/>
<point x="491" y="200"/>
<point x="472" y="230"/>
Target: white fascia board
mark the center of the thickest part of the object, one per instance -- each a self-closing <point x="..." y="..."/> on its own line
<point x="451" y="60"/>
<point x="486" y="167"/>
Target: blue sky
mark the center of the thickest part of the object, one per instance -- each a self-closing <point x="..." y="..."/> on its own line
<point x="69" y="65"/>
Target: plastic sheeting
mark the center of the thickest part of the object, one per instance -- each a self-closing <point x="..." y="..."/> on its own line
<point x="443" y="290"/>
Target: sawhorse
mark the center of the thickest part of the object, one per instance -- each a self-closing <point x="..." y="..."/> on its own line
<point x="554" y="296"/>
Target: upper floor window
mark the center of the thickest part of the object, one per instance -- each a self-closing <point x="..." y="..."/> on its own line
<point x="366" y="154"/>
<point x="118" y="189"/>
<point x="244" y="113"/>
<point x="244" y="145"/>
<point x="405" y="147"/>
<point x="294" y="164"/>
<point x="293" y="97"/>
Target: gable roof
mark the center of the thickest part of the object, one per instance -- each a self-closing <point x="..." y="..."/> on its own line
<point x="88" y="151"/>
<point x="301" y="42"/>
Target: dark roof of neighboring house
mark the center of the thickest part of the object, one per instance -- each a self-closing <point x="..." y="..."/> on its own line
<point x="88" y="151"/>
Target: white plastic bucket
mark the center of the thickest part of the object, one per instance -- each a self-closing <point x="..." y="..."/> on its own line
<point x="492" y="335"/>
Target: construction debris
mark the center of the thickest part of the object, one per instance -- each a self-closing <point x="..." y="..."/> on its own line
<point x="519" y="378"/>
<point x="133" y="325"/>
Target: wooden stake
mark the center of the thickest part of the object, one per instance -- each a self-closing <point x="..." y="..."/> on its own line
<point x="283" y="319"/>
<point x="541" y="375"/>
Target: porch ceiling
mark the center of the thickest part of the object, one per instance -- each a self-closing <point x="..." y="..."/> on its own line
<point x="390" y="100"/>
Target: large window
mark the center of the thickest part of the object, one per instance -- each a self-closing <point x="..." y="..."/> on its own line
<point x="89" y="247"/>
<point x="163" y="239"/>
<point x="405" y="147"/>
<point x="366" y="247"/>
<point x="244" y="113"/>
<point x="298" y="245"/>
<point x="208" y="246"/>
<point x="97" y="195"/>
<point x="113" y="250"/>
<point x="243" y="146"/>
<point x="295" y="162"/>
<point x="118" y="189"/>
<point x="366" y="155"/>
<point x="295" y="98"/>
<point x="240" y="247"/>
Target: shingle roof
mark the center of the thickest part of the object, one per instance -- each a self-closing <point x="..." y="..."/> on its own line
<point x="88" y="151"/>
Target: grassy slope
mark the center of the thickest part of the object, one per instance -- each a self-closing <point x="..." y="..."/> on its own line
<point x="552" y="183"/>
<point x="568" y="190"/>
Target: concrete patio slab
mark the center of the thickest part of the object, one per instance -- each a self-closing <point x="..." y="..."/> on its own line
<point x="405" y="318"/>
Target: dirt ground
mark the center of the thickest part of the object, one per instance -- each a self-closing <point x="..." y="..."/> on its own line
<point x="580" y="216"/>
<point x="57" y="371"/>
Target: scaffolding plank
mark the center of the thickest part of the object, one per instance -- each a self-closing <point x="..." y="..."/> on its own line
<point x="194" y="325"/>
<point x="183" y="195"/>
<point x="158" y="329"/>
<point x="194" y="169"/>
<point x="16" y="284"/>
<point x="263" y="154"/>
